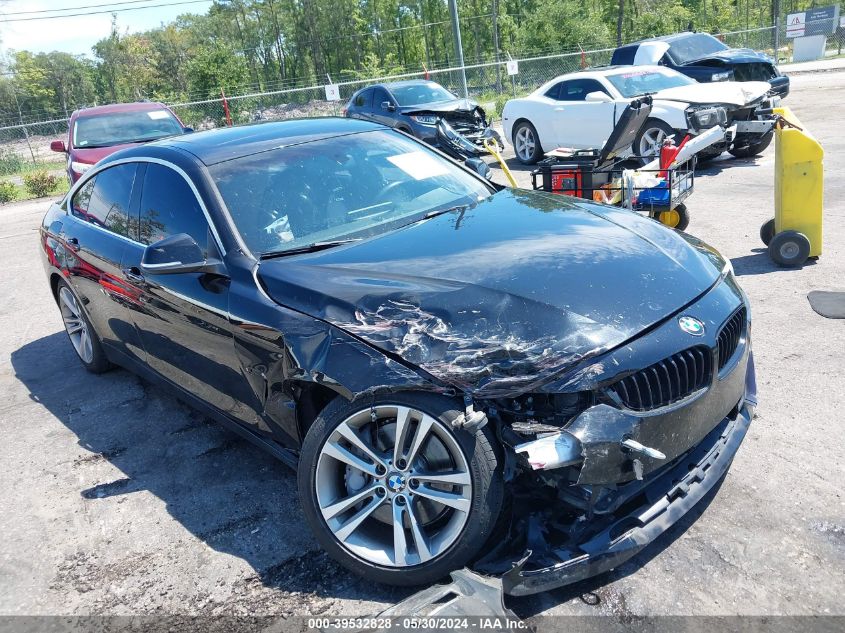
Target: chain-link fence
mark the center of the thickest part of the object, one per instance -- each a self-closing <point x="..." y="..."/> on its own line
<point x="488" y="82"/>
<point x="767" y="38"/>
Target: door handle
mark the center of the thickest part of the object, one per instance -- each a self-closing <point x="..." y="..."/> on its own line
<point x="559" y="109"/>
<point x="133" y="274"/>
<point x="72" y="242"/>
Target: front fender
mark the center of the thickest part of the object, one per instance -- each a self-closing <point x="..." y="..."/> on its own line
<point x="280" y="349"/>
<point x="673" y="115"/>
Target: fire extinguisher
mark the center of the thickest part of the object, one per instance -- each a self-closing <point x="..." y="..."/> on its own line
<point x="668" y="152"/>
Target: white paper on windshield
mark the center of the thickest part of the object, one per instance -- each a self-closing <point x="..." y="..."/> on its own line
<point x="157" y="114"/>
<point x="418" y="165"/>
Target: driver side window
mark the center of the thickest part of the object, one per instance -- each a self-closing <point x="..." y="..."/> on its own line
<point x="169" y="207"/>
<point x="380" y="95"/>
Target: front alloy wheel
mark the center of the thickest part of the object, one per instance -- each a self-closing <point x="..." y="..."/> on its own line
<point x="394" y="493"/>
<point x="650" y="138"/>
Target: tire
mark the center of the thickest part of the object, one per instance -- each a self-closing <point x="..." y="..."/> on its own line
<point x="677" y="218"/>
<point x="455" y="537"/>
<point x="789" y="248"/>
<point x="651" y="135"/>
<point x="80" y="332"/>
<point x="767" y="231"/>
<point x="705" y="156"/>
<point x="754" y="149"/>
<point x="526" y="143"/>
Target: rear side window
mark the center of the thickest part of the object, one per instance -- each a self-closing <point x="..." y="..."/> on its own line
<point x="104" y="200"/>
<point x="364" y="99"/>
<point x="575" y="89"/>
<point x="169" y="207"/>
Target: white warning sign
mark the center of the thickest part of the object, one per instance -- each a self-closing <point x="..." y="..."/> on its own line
<point x="796" y="23"/>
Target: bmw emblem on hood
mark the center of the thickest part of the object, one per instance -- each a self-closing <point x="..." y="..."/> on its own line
<point x="691" y="325"/>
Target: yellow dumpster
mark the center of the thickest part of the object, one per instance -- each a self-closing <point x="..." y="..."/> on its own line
<point x="795" y="233"/>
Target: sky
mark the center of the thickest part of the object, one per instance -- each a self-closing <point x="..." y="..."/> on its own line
<point x="76" y="35"/>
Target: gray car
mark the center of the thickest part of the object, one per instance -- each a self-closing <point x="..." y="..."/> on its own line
<point x="414" y="107"/>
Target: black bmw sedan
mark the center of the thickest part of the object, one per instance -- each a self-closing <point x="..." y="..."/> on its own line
<point x="530" y="384"/>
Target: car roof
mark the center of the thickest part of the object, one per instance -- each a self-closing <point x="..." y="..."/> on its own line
<point x="409" y="82"/>
<point x="138" y="106"/>
<point x="603" y="71"/>
<point x="222" y="144"/>
<point x="668" y="38"/>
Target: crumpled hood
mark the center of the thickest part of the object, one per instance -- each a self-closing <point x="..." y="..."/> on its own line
<point x="738" y="93"/>
<point x="497" y="299"/>
<point x="734" y="55"/>
<point x="458" y="105"/>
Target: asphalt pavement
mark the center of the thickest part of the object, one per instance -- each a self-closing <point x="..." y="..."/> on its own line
<point x="118" y="499"/>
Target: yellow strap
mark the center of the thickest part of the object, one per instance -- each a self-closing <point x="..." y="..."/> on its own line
<point x="490" y="146"/>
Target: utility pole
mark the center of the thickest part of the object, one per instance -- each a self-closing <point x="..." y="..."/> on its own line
<point x="459" y="48"/>
<point x="496" y="46"/>
<point x="23" y="126"/>
<point x="776" y="12"/>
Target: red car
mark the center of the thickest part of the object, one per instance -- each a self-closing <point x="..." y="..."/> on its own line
<point x="94" y="133"/>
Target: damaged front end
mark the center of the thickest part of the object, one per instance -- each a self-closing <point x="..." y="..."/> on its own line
<point x="459" y="147"/>
<point x="464" y="118"/>
<point x="599" y="472"/>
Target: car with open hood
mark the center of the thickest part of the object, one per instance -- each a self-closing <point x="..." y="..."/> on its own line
<point x="705" y="58"/>
<point x="450" y="366"/>
<point x="415" y="107"/>
<point x="579" y="110"/>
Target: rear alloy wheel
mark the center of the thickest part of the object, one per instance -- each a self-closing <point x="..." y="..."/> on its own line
<point x="394" y="493"/>
<point x="526" y="143"/>
<point x="789" y="248"/>
<point x="82" y="336"/>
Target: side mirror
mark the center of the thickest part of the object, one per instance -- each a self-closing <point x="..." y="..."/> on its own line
<point x="176" y="254"/>
<point x="598" y="97"/>
<point x="58" y="146"/>
<point x="479" y="167"/>
<point x="187" y="130"/>
<point x="386" y="105"/>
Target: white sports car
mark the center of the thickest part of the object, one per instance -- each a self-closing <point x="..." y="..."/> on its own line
<point x="579" y="110"/>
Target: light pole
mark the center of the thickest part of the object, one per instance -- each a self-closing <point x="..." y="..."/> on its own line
<point x="459" y="49"/>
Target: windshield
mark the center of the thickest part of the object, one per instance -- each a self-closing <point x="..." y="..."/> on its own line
<point x="695" y="46"/>
<point x="346" y="187"/>
<point x="418" y="94"/>
<point x="116" y="128"/>
<point x="636" y="83"/>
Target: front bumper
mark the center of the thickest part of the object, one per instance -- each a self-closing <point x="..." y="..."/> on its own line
<point x="669" y="497"/>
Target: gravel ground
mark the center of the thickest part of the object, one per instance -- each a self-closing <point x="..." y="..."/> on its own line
<point x="117" y="499"/>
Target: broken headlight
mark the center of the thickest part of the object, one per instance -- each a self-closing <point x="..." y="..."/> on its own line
<point x="424" y="119"/>
<point x="705" y="118"/>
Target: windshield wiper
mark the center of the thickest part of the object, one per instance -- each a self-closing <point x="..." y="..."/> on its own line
<point x="313" y="247"/>
<point x="436" y="212"/>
